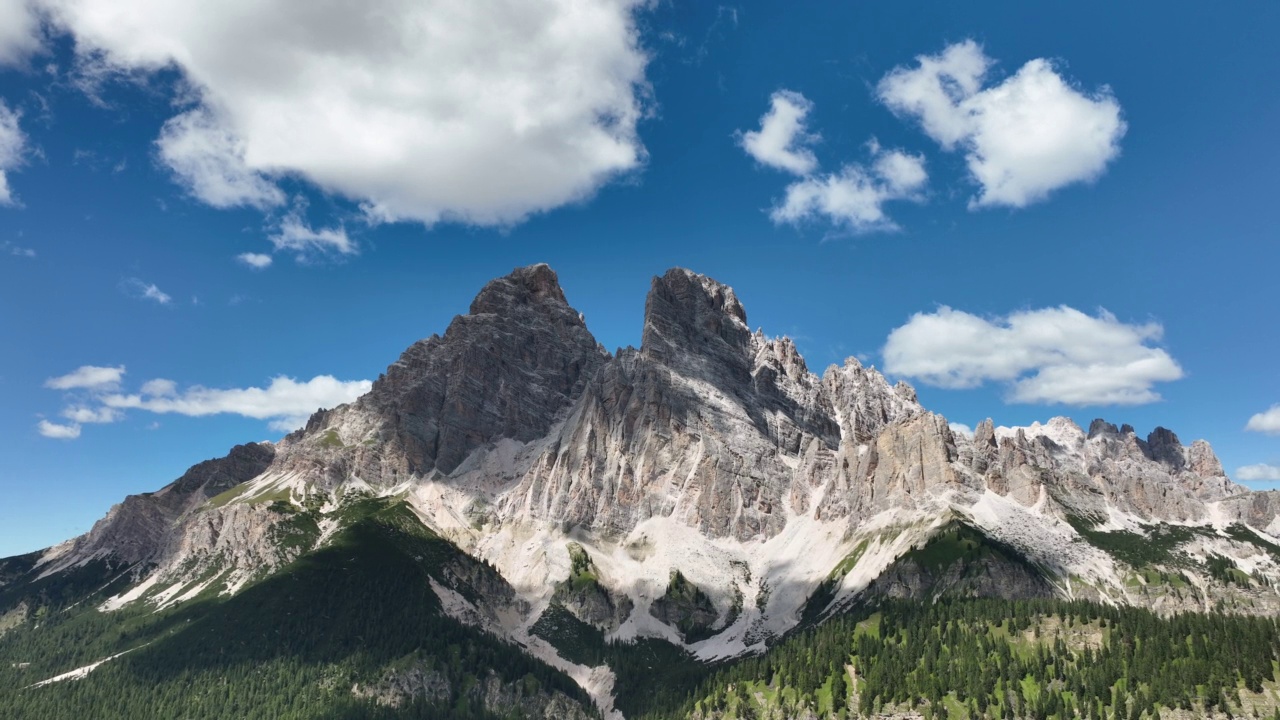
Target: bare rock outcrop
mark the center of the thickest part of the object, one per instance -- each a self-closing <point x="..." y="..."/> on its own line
<point x="137" y="528"/>
<point x="507" y="369"/>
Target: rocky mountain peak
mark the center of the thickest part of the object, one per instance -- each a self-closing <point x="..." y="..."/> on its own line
<point x="1165" y="447"/>
<point x="1203" y="461"/>
<point x="984" y="436"/>
<point x="505" y="370"/>
<point x="687" y="314"/>
<point x="523" y="287"/>
<point x="1102" y="427"/>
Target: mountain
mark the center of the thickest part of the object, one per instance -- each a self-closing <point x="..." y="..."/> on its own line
<point x="513" y="515"/>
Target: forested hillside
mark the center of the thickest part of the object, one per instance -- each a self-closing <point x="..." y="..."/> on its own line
<point x="352" y="630"/>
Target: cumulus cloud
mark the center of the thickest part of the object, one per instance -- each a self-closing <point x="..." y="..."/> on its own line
<point x="296" y="236"/>
<point x="477" y="112"/>
<point x="1052" y="355"/>
<point x="135" y="288"/>
<point x="1257" y="472"/>
<point x="19" y="31"/>
<point x="1022" y="138"/>
<point x="87" y="377"/>
<point x="57" y="431"/>
<point x="961" y="429"/>
<point x="257" y="261"/>
<point x="852" y="198"/>
<point x="12" y="142"/>
<point x="782" y="140"/>
<point x="285" y="401"/>
<point x="1266" y="422"/>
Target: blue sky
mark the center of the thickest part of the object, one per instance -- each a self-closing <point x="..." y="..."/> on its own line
<point x="1063" y="209"/>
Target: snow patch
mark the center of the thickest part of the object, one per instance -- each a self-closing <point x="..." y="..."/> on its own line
<point x="82" y="672"/>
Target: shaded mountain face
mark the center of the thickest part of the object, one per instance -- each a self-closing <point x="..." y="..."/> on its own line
<point x="581" y="483"/>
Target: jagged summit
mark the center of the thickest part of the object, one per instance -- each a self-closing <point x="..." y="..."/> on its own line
<point x="505" y="370"/>
<point x="690" y="319"/>
<point x="534" y="285"/>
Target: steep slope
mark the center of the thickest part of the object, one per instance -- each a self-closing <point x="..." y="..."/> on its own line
<point x="356" y="629"/>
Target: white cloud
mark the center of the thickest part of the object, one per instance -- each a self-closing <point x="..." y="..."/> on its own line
<point x="296" y="236"/>
<point x="283" y="401"/>
<point x="81" y="414"/>
<point x="257" y="261"/>
<point x="136" y="288"/>
<point x="1023" y="138"/>
<point x="160" y="387"/>
<point x="19" y="31"/>
<point x="58" y="432"/>
<point x="1053" y="355"/>
<point x="1266" y="422"/>
<point x="782" y="138"/>
<point x="12" y="142"/>
<point x="478" y="112"/>
<point x="961" y="429"/>
<point x="854" y="197"/>
<point x="87" y="377"/>
<point x="1258" y="472"/>
<point x="209" y="161"/>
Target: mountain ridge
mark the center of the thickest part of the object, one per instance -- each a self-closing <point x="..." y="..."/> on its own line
<point x="710" y="454"/>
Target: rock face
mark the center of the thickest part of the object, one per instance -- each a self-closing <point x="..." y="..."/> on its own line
<point x="507" y="369"/>
<point x="712" y="451"/>
<point x="706" y="422"/>
<point x="524" y="699"/>
<point x="138" y="528"/>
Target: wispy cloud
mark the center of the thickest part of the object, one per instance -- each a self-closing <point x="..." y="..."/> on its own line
<point x="135" y="288"/>
<point x="81" y="414"/>
<point x="284" y="401"/>
<point x="1258" y="472"/>
<point x="256" y="261"/>
<point x="88" y="377"/>
<point x="295" y="235"/>
<point x="58" y="432"/>
<point x="17" y="250"/>
<point x="94" y="396"/>
<point x="12" y="144"/>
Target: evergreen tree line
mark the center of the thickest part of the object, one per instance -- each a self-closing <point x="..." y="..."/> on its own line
<point x="993" y="659"/>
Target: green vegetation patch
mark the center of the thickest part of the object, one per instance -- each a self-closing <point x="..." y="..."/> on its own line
<point x="576" y="641"/>
<point x="687" y="608"/>
<point x="993" y="658"/>
<point x="1160" y="546"/>
<point x="1243" y="534"/>
<point x="227" y="496"/>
